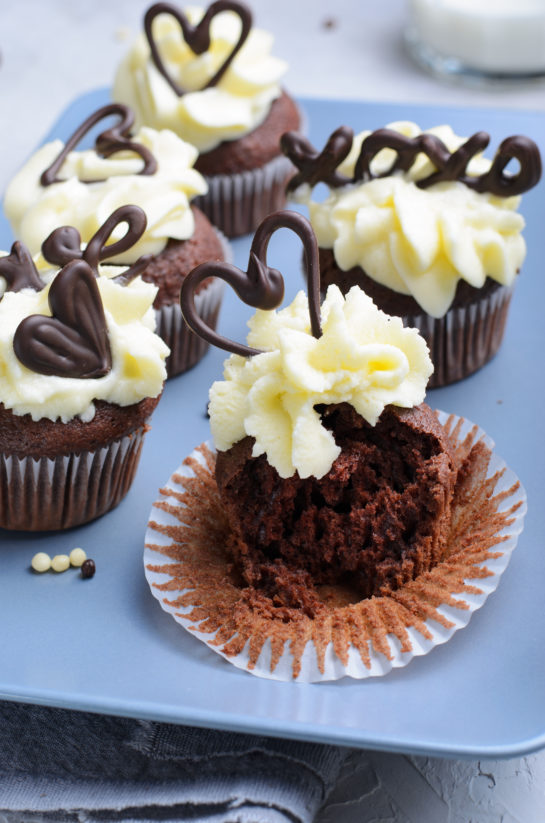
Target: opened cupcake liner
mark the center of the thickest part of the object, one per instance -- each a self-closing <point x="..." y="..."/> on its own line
<point x="466" y="338"/>
<point x="186" y="347"/>
<point x="45" y="494"/>
<point x="191" y="575"/>
<point x="237" y="203"/>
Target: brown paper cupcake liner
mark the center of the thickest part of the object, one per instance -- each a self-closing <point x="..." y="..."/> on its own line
<point x="57" y="493"/>
<point x="466" y="338"/>
<point x="191" y="574"/>
<point x="237" y="203"/>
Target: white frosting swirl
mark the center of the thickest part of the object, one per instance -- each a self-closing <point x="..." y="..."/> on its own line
<point x="34" y="211"/>
<point x="138" y="354"/>
<point x="419" y="242"/>
<point x="204" y="117"/>
<point x="363" y="357"/>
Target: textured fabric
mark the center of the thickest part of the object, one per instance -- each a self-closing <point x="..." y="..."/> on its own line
<point x="58" y="765"/>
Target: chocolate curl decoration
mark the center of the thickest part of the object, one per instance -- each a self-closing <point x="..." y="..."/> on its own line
<point x="317" y="167"/>
<point x="197" y="37"/>
<point x="18" y="269"/>
<point x="109" y="142"/>
<point x="74" y="341"/>
<point x="64" y="243"/>
<point x="261" y="286"/>
<point x="452" y="166"/>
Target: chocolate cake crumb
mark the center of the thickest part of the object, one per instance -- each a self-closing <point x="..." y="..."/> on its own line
<point x="377" y="519"/>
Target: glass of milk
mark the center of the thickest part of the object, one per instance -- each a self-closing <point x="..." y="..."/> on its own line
<point x="485" y="39"/>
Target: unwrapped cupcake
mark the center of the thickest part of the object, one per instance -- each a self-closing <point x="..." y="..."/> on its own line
<point x="426" y="225"/>
<point x="63" y="184"/>
<point x="82" y="370"/>
<point x="339" y="510"/>
<point x="209" y="75"/>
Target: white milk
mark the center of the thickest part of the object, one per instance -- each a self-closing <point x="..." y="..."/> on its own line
<point x="489" y="36"/>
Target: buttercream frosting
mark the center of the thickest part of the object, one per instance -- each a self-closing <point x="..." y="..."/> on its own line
<point x="364" y="357"/>
<point x="34" y="210"/>
<point x="205" y="117"/>
<point x="419" y="242"/>
<point x="138" y="354"/>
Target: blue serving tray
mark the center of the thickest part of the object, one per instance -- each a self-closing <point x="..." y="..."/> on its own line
<point x="104" y="645"/>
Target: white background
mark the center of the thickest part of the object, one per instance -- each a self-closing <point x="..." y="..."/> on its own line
<point x="52" y="51"/>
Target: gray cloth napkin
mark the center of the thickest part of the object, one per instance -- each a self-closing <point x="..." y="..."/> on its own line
<point x="58" y="765"/>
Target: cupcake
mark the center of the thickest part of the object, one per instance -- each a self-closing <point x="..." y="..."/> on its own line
<point x="64" y="185"/>
<point x="426" y="225"/>
<point x="82" y="371"/>
<point x="339" y="509"/>
<point x="210" y="77"/>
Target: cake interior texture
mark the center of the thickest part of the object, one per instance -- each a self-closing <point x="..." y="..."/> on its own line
<point x="377" y="519"/>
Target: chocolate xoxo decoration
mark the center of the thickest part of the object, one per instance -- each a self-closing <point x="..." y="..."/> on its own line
<point x="64" y="243"/>
<point x="317" y="167"/>
<point x="451" y="166"/>
<point x="18" y="269"/>
<point x="74" y="341"/>
<point x="112" y="140"/>
<point x="197" y="37"/>
<point x="261" y="286"/>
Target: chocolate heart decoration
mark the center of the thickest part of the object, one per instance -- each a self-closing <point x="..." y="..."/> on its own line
<point x="18" y="269"/>
<point x="117" y="138"/>
<point x="74" y="341"/>
<point x="317" y="167"/>
<point x="197" y="37"/>
<point x="261" y="286"/>
<point x="64" y="243"/>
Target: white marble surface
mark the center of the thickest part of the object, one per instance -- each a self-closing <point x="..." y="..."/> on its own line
<point x="53" y="51"/>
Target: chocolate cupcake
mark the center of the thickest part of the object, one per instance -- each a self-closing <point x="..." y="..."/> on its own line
<point x="339" y="511"/>
<point x="209" y="76"/>
<point x="426" y="226"/>
<point x="151" y="169"/>
<point x="82" y="371"/>
<point x="375" y="520"/>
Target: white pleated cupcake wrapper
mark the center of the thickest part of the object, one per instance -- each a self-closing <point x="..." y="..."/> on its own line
<point x="334" y="668"/>
<point x="466" y="338"/>
<point x="57" y="493"/>
<point x="186" y="347"/>
<point x="237" y="203"/>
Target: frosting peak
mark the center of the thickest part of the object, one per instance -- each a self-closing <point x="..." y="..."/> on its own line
<point x="34" y="210"/>
<point x="203" y="116"/>
<point x="418" y="241"/>
<point x="363" y="357"/>
<point x="136" y="354"/>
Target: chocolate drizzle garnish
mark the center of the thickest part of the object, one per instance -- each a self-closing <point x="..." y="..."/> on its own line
<point x="64" y="243"/>
<point x="197" y="37"/>
<point x="261" y="286"/>
<point x="74" y="341"/>
<point x="112" y="140"/>
<point x="317" y="167"/>
<point x="18" y="269"/>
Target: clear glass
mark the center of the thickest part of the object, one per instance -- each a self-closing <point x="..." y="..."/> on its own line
<point x="487" y="39"/>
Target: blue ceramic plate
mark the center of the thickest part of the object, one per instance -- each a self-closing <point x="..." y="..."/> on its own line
<point x="103" y="645"/>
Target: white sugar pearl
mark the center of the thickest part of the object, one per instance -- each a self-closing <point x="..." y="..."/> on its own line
<point x="77" y="557"/>
<point x="41" y="562"/>
<point x="60" y="562"/>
